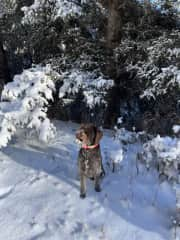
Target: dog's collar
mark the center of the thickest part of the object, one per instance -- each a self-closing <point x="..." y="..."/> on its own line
<point x="90" y="147"/>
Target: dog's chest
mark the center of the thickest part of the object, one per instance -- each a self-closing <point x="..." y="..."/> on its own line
<point x="90" y="161"/>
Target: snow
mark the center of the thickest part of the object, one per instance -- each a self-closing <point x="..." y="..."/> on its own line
<point x="24" y="104"/>
<point x="39" y="193"/>
<point x="168" y="77"/>
<point x="7" y="7"/>
<point x="158" y="71"/>
<point x="176" y="128"/>
<point x="92" y="87"/>
<point x="66" y="8"/>
<point x="59" y="8"/>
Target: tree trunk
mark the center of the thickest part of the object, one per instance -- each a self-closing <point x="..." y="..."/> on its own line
<point x="148" y="11"/>
<point x="4" y="74"/>
<point x="114" y="28"/>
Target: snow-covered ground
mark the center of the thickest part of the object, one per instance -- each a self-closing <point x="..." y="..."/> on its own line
<point x="39" y="194"/>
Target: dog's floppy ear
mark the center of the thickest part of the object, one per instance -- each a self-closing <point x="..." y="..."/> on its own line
<point x="99" y="135"/>
<point x="79" y="132"/>
<point x="78" y="135"/>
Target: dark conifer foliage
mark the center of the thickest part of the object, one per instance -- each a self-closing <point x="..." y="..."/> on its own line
<point x="134" y="43"/>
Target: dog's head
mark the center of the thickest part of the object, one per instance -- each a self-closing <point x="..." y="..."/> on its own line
<point x="88" y="134"/>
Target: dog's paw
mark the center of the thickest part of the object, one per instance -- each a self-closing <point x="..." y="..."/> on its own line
<point x="98" y="189"/>
<point x="82" y="195"/>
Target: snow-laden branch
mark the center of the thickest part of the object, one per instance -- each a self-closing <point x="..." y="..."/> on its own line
<point x="168" y="78"/>
<point x="57" y="8"/>
<point x="7" y="7"/>
<point x="156" y="68"/>
<point x="24" y="104"/>
<point x="93" y="88"/>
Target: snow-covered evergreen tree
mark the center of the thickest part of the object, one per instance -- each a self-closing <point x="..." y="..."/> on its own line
<point x="24" y="104"/>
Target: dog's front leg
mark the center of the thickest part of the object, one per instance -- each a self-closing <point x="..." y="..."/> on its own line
<point x="97" y="184"/>
<point x="82" y="185"/>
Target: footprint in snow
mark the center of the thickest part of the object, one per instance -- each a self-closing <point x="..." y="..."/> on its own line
<point x="5" y="192"/>
<point x="78" y="228"/>
<point x="37" y="177"/>
<point x="37" y="231"/>
<point x="61" y="222"/>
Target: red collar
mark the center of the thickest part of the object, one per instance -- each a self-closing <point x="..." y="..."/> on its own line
<point x="90" y="147"/>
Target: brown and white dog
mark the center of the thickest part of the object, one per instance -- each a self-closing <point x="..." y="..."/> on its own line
<point x="89" y="159"/>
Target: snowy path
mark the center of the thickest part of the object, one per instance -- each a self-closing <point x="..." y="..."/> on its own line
<point x="39" y="195"/>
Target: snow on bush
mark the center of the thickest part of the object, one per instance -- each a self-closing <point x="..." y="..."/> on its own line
<point x="129" y="137"/>
<point x="160" y="153"/>
<point x="59" y="8"/>
<point x="115" y="158"/>
<point x="164" y="153"/>
<point x="164" y="81"/>
<point x="7" y="7"/>
<point x="93" y="88"/>
<point x="24" y="104"/>
<point x="125" y="136"/>
<point x="176" y="129"/>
